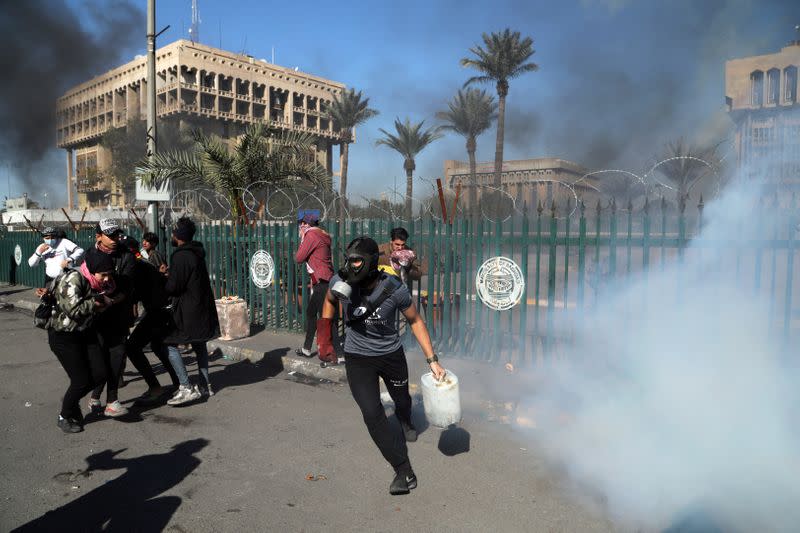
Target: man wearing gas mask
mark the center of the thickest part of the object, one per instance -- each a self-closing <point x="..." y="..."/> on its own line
<point x="370" y="302"/>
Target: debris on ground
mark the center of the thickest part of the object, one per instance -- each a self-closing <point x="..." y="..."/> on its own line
<point x="28" y="404"/>
<point x="509" y="367"/>
<point x="312" y="477"/>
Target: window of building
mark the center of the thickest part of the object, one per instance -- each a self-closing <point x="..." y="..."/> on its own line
<point x="757" y="88"/>
<point x="773" y="85"/>
<point x="790" y="84"/>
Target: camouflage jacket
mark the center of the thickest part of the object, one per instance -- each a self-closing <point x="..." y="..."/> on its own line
<point x="74" y="307"/>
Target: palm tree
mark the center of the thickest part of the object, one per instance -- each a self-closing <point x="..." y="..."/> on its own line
<point x="410" y="140"/>
<point x="469" y="114"/>
<point x="684" y="165"/>
<point x="347" y="111"/>
<point x="258" y="155"/>
<point x="503" y="59"/>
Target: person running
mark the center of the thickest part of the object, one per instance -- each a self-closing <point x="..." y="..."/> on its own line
<point x="194" y="312"/>
<point x="315" y="252"/>
<point x="373" y="350"/>
<point x="79" y="297"/>
<point x="151" y="328"/>
<point x="114" y="325"/>
<point x="58" y="253"/>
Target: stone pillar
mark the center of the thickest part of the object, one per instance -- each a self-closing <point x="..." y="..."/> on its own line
<point x="288" y="114"/>
<point x="216" y="91"/>
<point x="250" y="96"/>
<point x="69" y="178"/>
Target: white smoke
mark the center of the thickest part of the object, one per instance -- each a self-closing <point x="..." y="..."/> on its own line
<point x="677" y="405"/>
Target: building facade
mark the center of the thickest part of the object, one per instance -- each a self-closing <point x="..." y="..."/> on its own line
<point x="218" y="91"/>
<point x="527" y="180"/>
<point x="762" y="100"/>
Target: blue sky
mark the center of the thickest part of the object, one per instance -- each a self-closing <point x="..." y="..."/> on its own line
<point x="617" y="78"/>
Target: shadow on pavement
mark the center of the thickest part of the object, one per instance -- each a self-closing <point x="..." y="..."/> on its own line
<point x="246" y="372"/>
<point x="8" y="291"/>
<point x="453" y="441"/>
<point x="695" y="521"/>
<point x="130" y="502"/>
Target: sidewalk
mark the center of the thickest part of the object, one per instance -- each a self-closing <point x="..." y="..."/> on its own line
<point x="263" y="344"/>
<point x="488" y="388"/>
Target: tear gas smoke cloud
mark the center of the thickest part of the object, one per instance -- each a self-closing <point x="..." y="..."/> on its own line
<point x="679" y="403"/>
<point x="47" y="48"/>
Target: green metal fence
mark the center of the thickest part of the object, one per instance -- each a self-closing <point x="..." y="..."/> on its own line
<point x="570" y="258"/>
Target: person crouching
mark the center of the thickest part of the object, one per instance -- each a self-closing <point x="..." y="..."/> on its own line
<point x="79" y="298"/>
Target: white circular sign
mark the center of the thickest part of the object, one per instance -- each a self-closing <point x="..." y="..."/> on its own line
<point x="18" y="255"/>
<point x="500" y="283"/>
<point x="262" y="269"/>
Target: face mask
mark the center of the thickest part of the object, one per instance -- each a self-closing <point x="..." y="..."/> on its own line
<point x="51" y="242"/>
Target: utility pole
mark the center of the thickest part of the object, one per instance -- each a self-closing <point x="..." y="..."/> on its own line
<point x="152" y="206"/>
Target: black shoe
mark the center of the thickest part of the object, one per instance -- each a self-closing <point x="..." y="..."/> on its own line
<point x="409" y="431"/>
<point x="300" y="353"/>
<point x="69" y="425"/>
<point x="403" y="483"/>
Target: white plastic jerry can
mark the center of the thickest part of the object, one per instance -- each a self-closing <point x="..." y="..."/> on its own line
<point x="441" y="399"/>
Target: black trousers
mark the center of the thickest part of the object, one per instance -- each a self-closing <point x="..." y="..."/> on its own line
<point x="363" y="373"/>
<point x="151" y="329"/>
<point x="80" y="355"/>
<point x="314" y="311"/>
<point x="112" y="344"/>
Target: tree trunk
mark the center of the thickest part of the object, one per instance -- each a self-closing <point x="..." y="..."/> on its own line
<point x="502" y="91"/>
<point x="345" y="151"/>
<point x="473" y="174"/>
<point x="409" y="187"/>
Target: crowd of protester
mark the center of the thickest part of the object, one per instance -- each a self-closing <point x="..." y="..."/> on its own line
<point x="118" y="296"/>
<point x="111" y="301"/>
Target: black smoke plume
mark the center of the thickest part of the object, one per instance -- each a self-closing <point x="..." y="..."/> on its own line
<point x="48" y="47"/>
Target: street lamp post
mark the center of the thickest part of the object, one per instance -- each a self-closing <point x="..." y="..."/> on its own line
<point x="151" y="102"/>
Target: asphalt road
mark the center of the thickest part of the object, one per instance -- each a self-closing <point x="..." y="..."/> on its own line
<point x="241" y="461"/>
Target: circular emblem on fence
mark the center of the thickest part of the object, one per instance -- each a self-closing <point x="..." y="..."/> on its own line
<point x="262" y="269"/>
<point x="500" y="283"/>
<point x="18" y="255"/>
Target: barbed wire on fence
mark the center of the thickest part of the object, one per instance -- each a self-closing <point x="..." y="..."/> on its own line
<point x="265" y="200"/>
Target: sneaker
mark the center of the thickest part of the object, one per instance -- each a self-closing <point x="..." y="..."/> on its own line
<point x="403" y="483"/>
<point x="207" y="390"/>
<point x="95" y="406"/>
<point x="185" y="394"/>
<point x="409" y="431"/>
<point x="69" y="425"/>
<point x="302" y="352"/>
<point x="115" y="409"/>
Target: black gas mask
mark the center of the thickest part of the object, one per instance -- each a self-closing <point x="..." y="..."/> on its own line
<point x="360" y="267"/>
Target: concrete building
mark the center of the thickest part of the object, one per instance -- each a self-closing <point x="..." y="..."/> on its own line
<point x="762" y="99"/>
<point x="221" y="91"/>
<point x="526" y="180"/>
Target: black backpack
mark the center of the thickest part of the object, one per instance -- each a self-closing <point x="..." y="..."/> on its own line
<point x="45" y="311"/>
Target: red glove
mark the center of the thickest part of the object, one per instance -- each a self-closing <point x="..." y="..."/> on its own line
<point x="324" y="342"/>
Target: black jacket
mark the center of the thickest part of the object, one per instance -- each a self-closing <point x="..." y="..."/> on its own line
<point x="193" y="309"/>
<point x="116" y="321"/>
<point x="149" y="283"/>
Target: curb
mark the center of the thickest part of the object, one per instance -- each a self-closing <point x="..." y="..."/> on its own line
<point x="23" y="306"/>
<point x="307" y="367"/>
